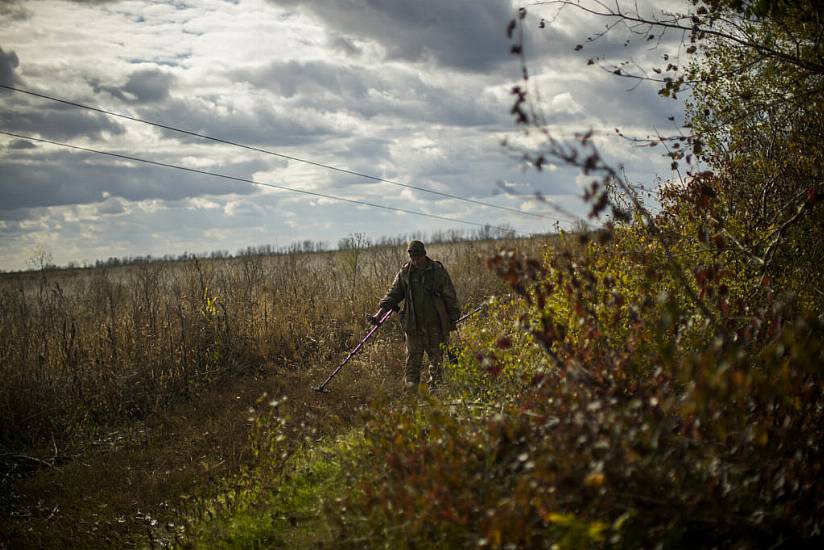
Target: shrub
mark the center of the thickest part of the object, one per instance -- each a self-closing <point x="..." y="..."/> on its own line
<point x="644" y="422"/>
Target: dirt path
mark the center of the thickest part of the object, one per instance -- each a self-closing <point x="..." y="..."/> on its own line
<point x="133" y="482"/>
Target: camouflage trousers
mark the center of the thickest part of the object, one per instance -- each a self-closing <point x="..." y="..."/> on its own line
<point x="431" y="341"/>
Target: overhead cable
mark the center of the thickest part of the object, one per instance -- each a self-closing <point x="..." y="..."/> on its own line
<point x="273" y="153"/>
<point x="253" y="182"/>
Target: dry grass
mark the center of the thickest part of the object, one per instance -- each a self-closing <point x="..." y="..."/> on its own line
<point x="127" y="387"/>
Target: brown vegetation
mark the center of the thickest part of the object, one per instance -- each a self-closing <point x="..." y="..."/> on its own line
<point x="126" y="387"/>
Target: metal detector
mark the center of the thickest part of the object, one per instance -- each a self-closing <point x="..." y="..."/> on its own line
<point x="473" y="312"/>
<point x="355" y="350"/>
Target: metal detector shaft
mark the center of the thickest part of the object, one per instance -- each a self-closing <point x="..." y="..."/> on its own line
<point x="355" y="350"/>
<point x="471" y="313"/>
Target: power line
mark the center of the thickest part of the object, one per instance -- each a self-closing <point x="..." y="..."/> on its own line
<point x="273" y="153"/>
<point x="253" y="182"/>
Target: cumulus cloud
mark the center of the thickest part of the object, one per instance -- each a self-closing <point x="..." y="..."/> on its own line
<point x="345" y="44"/>
<point x="25" y="115"/>
<point x="111" y="207"/>
<point x="21" y="144"/>
<point x="565" y="103"/>
<point x="461" y="34"/>
<point x="290" y="77"/>
<point x="243" y="208"/>
<point x="8" y="63"/>
<point x="258" y="124"/>
<point x="61" y="178"/>
<point x="57" y="122"/>
<point x="14" y="10"/>
<point x="142" y="86"/>
<point x="368" y="92"/>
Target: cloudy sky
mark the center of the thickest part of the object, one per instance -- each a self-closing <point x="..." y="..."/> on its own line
<point x="416" y="92"/>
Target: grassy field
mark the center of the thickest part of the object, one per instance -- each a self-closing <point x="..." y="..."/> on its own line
<point x="604" y="398"/>
<point x="133" y="393"/>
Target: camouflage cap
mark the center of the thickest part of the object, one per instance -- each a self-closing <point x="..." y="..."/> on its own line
<point x="416" y="248"/>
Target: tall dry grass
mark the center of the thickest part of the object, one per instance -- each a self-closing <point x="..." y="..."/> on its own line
<point x="83" y="350"/>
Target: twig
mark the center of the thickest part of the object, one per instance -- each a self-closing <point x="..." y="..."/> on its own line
<point x="674" y="23"/>
<point x="30" y="458"/>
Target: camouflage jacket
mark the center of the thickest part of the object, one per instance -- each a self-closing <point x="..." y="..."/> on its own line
<point x="437" y="287"/>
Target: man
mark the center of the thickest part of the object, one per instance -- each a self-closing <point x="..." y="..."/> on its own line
<point x="430" y="312"/>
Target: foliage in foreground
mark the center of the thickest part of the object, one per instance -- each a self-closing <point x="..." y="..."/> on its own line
<point x="665" y="384"/>
<point x="282" y="500"/>
<point x="622" y="436"/>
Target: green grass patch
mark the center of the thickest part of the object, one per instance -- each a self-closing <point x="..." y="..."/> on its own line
<point x="289" y="512"/>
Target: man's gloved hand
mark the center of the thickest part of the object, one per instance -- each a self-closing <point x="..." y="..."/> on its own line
<point x="453" y="326"/>
<point x="372" y="319"/>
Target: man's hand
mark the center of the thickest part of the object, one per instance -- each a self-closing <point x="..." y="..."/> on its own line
<point x="376" y="318"/>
